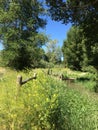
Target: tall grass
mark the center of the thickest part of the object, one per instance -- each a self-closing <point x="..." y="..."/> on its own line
<point x="44" y="104"/>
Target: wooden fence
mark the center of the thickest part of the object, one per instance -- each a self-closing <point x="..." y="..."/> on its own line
<point x="20" y="80"/>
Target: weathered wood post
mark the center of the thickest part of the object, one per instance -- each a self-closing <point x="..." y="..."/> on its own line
<point x="49" y="71"/>
<point x="20" y="82"/>
<point x="62" y="77"/>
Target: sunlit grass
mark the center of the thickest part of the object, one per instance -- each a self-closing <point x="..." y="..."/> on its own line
<point x="45" y="103"/>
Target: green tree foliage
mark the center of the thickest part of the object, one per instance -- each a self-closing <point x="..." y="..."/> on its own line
<point x="19" y="25"/>
<point x="73" y="11"/>
<point x="83" y="13"/>
<point x="74" y="49"/>
<point x="54" y="52"/>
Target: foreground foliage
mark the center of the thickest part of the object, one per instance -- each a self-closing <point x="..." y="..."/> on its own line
<point x="44" y="103"/>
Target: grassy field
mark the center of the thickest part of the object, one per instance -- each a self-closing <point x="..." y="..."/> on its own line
<point x="47" y="103"/>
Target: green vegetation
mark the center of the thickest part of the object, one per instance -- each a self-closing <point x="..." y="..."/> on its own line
<point x="74" y="49"/>
<point x="49" y="102"/>
<point x="53" y="52"/>
<point x="45" y="103"/>
<point x="82" y="14"/>
<point x="20" y="22"/>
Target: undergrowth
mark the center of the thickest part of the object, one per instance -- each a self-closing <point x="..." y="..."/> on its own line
<point x="44" y="104"/>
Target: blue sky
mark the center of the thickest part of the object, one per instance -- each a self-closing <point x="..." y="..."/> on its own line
<point x="57" y="30"/>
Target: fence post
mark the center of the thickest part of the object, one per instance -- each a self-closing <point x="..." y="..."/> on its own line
<point x="19" y="80"/>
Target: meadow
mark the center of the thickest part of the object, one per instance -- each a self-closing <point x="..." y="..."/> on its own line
<point x="47" y="103"/>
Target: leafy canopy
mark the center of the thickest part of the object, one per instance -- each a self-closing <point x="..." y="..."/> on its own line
<point x="19" y="28"/>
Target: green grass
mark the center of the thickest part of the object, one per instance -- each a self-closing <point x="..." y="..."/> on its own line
<point x="45" y="103"/>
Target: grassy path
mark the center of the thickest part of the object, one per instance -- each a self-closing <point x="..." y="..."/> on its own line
<point x="82" y="90"/>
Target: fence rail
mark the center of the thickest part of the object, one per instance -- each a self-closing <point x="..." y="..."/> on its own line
<point x="20" y="80"/>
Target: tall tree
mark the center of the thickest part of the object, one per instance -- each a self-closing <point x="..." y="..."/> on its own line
<point x="74" y="49"/>
<point x="20" y="21"/>
<point x="83" y="13"/>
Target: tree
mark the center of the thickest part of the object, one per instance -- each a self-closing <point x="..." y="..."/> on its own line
<point x="74" y="49"/>
<point x="53" y="52"/>
<point x="20" y="21"/>
<point x="72" y="11"/>
<point x="82" y="13"/>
